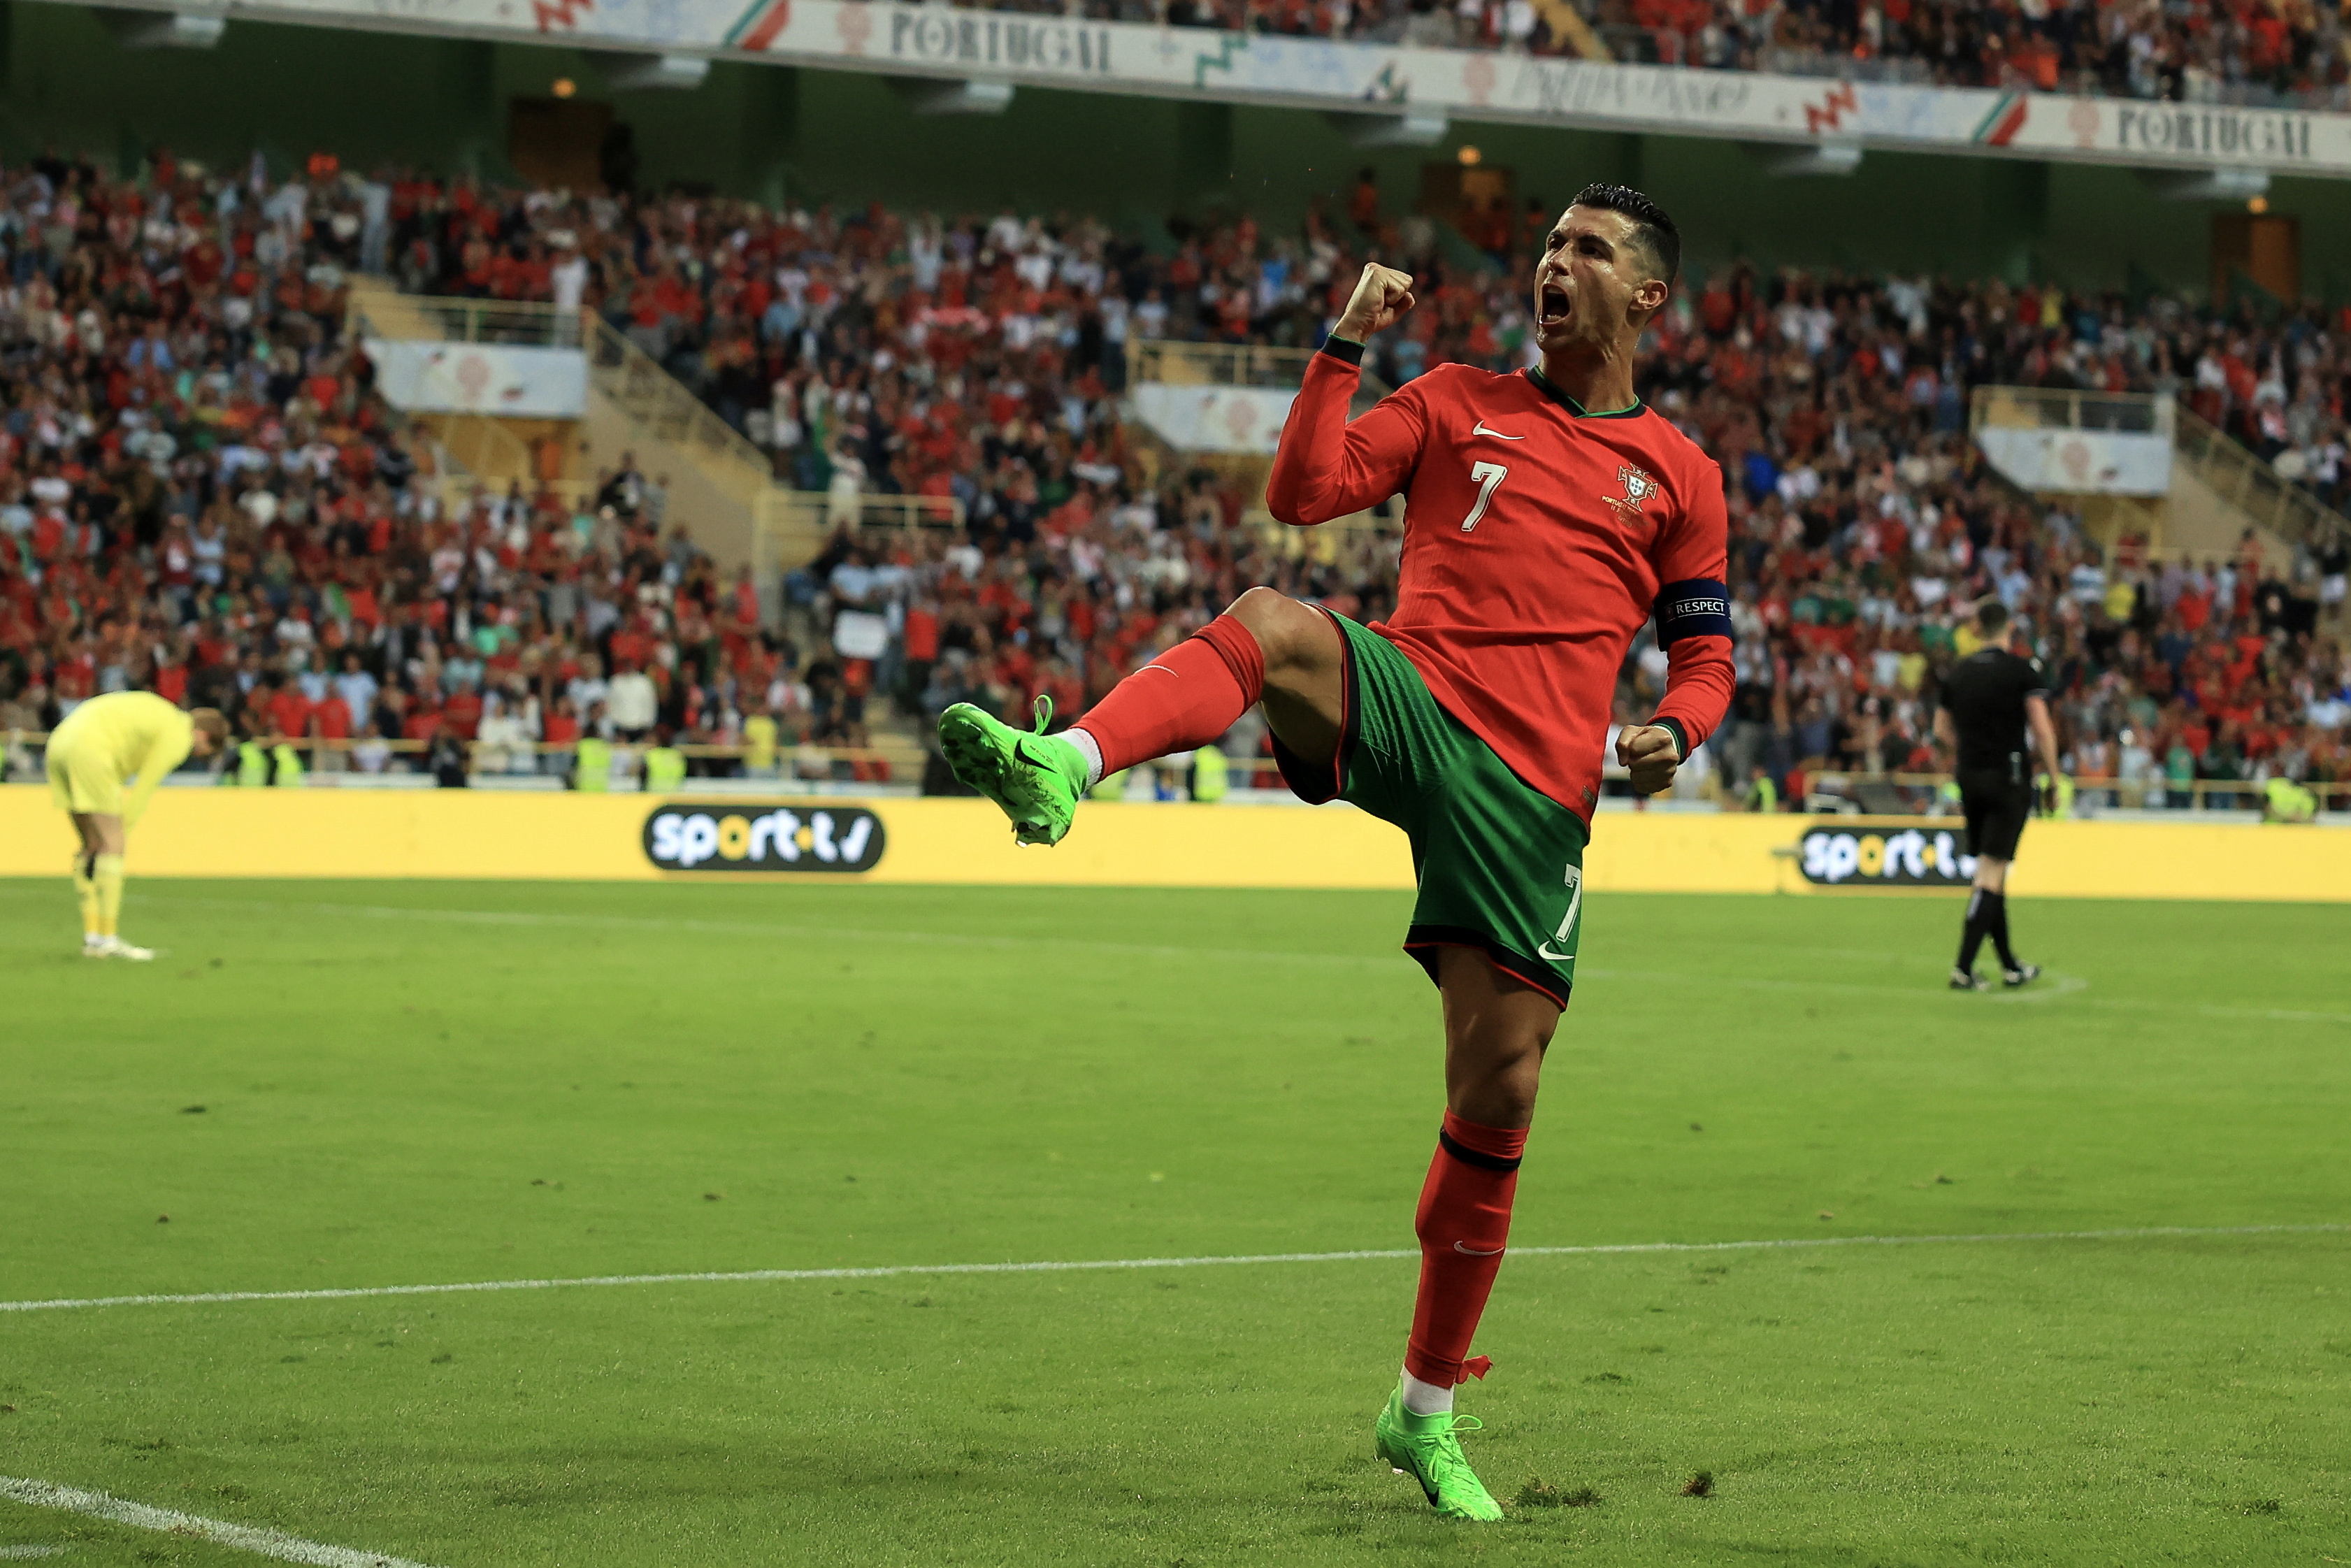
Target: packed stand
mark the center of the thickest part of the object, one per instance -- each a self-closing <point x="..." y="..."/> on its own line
<point x="2250" y="52"/>
<point x="202" y="494"/>
<point x="1864" y="525"/>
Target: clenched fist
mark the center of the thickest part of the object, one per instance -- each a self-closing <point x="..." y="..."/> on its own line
<point x="1381" y="297"/>
<point x="1648" y="751"/>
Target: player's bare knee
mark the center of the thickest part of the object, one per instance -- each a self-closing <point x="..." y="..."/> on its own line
<point x="1502" y="1098"/>
<point x="1493" y="1074"/>
<point x="1284" y="628"/>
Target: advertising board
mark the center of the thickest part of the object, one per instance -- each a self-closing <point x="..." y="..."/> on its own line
<point x="1928" y="855"/>
<point x="531" y="835"/>
<point x="740" y="836"/>
<point x="503" y="379"/>
<point x="1479" y="85"/>
<point x="2080" y="462"/>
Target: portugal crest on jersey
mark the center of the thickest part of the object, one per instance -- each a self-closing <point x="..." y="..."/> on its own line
<point x="1638" y="488"/>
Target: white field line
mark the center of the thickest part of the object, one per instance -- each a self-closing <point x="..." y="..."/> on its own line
<point x="769" y="1276"/>
<point x="188" y="1526"/>
<point x="2067" y="987"/>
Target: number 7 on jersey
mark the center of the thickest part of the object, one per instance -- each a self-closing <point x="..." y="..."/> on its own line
<point x="1489" y="478"/>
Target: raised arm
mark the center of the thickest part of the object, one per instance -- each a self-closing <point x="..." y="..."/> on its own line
<point x="1327" y="466"/>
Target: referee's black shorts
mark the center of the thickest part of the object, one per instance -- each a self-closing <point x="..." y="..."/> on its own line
<point x="1996" y="804"/>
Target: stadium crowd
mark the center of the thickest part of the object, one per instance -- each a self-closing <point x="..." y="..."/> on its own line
<point x="2238" y="51"/>
<point x="2235" y="51"/>
<point x="200" y="493"/>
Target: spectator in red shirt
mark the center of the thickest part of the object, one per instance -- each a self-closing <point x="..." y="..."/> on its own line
<point x="289" y="711"/>
<point x="423" y="719"/>
<point x="330" y="720"/>
<point x="461" y="713"/>
<point x="172" y="677"/>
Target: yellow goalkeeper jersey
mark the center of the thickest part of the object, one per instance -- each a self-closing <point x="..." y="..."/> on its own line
<point x="108" y="740"/>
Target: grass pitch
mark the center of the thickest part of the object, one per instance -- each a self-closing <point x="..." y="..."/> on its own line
<point x="362" y="1084"/>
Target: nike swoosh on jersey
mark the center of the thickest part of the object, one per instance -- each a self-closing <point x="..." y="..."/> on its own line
<point x="1473" y="1252"/>
<point x="1496" y="434"/>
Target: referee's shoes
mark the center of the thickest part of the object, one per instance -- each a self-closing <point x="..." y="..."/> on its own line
<point x="1968" y="981"/>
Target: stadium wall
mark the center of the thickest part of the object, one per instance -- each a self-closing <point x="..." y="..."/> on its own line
<point x="325" y="832"/>
<point x="772" y="131"/>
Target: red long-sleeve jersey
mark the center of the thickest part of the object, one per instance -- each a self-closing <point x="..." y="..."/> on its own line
<point x="1537" y="539"/>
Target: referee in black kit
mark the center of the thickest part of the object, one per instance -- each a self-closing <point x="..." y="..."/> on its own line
<point x="1992" y="699"/>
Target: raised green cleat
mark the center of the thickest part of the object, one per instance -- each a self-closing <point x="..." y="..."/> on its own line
<point x="1426" y="1449"/>
<point x="1036" y="778"/>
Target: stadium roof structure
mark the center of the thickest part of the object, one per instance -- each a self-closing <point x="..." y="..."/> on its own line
<point x="1382" y="92"/>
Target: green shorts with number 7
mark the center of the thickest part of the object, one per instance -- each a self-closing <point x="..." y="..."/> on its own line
<point x="1499" y="863"/>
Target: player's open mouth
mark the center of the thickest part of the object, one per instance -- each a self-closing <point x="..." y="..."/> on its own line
<point x="1554" y="306"/>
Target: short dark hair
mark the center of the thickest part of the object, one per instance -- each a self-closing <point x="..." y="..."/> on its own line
<point x="1991" y="618"/>
<point x="1652" y="227"/>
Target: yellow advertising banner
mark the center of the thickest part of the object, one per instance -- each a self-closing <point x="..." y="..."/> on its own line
<point x="467" y="833"/>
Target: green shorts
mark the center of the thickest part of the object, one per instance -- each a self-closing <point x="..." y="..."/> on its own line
<point x="1499" y="863"/>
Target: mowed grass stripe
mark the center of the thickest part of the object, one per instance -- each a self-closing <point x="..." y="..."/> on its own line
<point x="775" y="1275"/>
<point x="2058" y="986"/>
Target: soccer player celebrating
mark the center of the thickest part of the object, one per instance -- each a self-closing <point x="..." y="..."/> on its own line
<point x="1549" y="514"/>
<point x="1992" y="699"/>
<point x="98" y="748"/>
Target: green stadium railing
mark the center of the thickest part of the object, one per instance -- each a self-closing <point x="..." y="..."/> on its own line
<point x="789" y="753"/>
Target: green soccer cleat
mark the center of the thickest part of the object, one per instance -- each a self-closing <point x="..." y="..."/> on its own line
<point x="1036" y="778"/>
<point x="1427" y="1448"/>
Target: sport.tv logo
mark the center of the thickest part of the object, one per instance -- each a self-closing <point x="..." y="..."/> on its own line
<point x="763" y="837"/>
<point x="1863" y="857"/>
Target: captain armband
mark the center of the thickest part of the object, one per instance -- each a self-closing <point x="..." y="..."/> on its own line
<point x="1695" y="607"/>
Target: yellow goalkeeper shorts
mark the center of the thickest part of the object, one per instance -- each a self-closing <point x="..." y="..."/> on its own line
<point x="83" y="784"/>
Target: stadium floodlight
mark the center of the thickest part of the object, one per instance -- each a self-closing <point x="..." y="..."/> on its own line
<point x="934" y="95"/>
<point x="675" y="72"/>
<point x="1788" y="161"/>
<point x="2208" y="184"/>
<point x="1409" y="128"/>
<point x="163" y="30"/>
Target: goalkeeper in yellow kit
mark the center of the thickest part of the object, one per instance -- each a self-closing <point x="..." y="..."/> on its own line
<point x="99" y="748"/>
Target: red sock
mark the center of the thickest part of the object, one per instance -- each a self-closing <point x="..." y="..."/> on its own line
<point x="1185" y="698"/>
<point x="1464" y="1223"/>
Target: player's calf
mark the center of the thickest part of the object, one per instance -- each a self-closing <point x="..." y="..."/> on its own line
<point x="1185" y="697"/>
